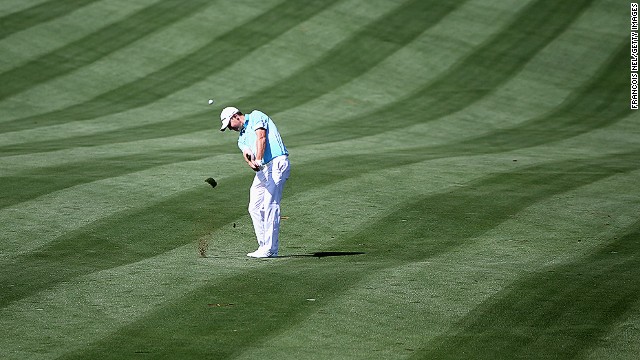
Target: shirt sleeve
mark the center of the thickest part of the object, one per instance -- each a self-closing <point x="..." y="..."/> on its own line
<point x="261" y="120"/>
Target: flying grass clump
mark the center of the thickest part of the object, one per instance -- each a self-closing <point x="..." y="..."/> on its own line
<point x="203" y="246"/>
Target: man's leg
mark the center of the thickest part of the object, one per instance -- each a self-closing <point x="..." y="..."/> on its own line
<point x="256" y="195"/>
<point x="278" y="173"/>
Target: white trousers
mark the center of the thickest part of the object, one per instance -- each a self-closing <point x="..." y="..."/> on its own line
<point x="264" y="202"/>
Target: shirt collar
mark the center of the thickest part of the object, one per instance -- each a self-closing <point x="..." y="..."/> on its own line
<point x="244" y="126"/>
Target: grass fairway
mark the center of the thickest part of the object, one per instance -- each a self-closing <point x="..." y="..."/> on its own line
<point x="464" y="180"/>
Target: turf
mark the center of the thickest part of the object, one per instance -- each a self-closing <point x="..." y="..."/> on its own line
<point x="463" y="180"/>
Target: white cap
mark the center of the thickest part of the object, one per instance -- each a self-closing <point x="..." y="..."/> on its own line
<point x="225" y="116"/>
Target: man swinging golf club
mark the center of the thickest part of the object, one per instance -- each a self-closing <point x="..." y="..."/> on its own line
<point x="265" y="153"/>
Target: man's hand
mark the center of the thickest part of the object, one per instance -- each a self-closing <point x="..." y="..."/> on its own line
<point x="250" y="159"/>
<point x="258" y="164"/>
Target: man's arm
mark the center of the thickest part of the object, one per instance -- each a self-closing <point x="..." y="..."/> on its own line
<point x="261" y="144"/>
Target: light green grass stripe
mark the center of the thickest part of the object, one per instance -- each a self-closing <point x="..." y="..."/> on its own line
<point x="94" y="46"/>
<point x="8" y="7"/>
<point x="146" y="277"/>
<point x="559" y="43"/>
<point x="34" y="223"/>
<point x="288" y="52"/>
<point x="412" y="67"/>
<point x="135" y="60"/>
<point x="286" y="312"/>
<point x="92" y="293"/>
<point x="182" y="73"/>
<point x="32" y="162"/>
<point x="420" y="300"/>
<point x="478" y="73"/>
<point x="30" y="44"/>
<point x="539" y="87"/>
<point x="557" y="312"/>
<point x="497" y="44"/>
<point x="35" y="15"/>
<point x="279" y="48"/>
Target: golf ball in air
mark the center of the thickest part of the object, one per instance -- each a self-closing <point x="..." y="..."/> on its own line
<point x="210" y="101"/>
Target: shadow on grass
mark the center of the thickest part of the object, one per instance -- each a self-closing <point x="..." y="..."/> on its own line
<point x="322" y="254"/>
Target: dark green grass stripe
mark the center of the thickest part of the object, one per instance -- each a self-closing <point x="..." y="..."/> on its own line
<point x="47" y="179"/>
<point x="355" y="56"/>
<point x="37" y="14"/>
<point x="275" y="294"/>
<point x="450" y="219"/>
<point x="342" y="64"/>
<point x="339" y="62"/>
<point x="601" y="102"/>
<point x="94" y="46"/>
<point x="598" y="103"/>
<point x="235" y="44"/>
<point x="131" y="236"/>
<point x="435" y="100"/>
<point x="259" y="311"/>
<point x="557" y="313"/>
<point x="142" y="233"/>
<point x="173" y="127"/>
<point x="482" y="72"/>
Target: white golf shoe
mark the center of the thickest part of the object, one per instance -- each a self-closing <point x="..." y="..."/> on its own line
<point x="261" y="254"/>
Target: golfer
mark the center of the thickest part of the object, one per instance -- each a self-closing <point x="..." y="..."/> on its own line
<point x="265" y="153"/>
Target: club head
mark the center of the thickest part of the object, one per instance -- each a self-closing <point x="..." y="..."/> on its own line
<point x="211" y="181"/>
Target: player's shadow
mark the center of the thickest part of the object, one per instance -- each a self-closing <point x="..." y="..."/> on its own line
<point x="322" y="254"/>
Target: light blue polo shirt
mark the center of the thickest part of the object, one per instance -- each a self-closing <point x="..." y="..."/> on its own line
<point x="247" y="139"/>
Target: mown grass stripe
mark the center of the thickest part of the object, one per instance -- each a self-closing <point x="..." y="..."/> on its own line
<point x="48" y="179"/>
<point x="481" y="73"/>
<point x="95" y="247"/>
<point x="31" y="184"/>
<point x="345" y="62"/>
<point x="600" y="102"/>
<point x="370" y="34"/>
<point x="557" y="312"/>
<point x="38" y="14"/>
<point x="94" y="46"/>
<point x="446" y="218"/>
<point x="173" y="127"/>
<point x="182" y="73"/>
<point x="433" y="228"/>
<point x="348" y="61"/>
<point x="424" y="101"/>
<point x="98" y="240"/>
<point x="61" y="135"/>
<point x="511" y="46"/>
